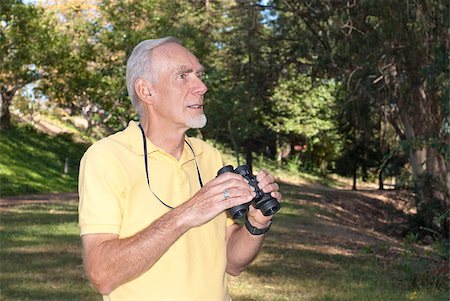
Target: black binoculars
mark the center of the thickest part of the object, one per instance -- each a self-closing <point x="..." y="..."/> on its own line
<point x="262" y="201"/>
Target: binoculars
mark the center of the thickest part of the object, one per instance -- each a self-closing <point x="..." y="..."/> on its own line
<point x="262" y="201"/>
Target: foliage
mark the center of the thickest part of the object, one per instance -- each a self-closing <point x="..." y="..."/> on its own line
<point x="392" y="59"/>
<point x="29" y="44"/>
<point x="242" y="78"/>
<point x="358" y="124"/>
<point x="243" y="71"/>
<point x="89" y="80"/>
<point x="303" y="113"/>
<point x="339" y="84"/>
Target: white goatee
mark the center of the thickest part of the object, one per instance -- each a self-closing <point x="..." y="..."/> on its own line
<point x="197" y="122"/>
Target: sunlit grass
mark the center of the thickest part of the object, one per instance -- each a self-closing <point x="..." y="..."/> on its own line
<point x="40" y="260"/>
<point x="283" y="170"/>
<point x="33" y="162"/>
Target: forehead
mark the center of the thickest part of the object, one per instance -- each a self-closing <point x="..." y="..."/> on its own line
<point x="172" y="56"/>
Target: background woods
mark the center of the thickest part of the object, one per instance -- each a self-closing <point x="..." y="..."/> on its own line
<point x="358" y="88"/>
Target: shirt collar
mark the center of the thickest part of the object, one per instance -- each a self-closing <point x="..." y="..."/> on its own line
<point x="134" y="135"/>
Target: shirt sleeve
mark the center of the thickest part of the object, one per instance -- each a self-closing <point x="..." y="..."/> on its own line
<point x="102" y="187"/>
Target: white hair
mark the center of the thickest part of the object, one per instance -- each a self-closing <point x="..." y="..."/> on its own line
<point x="139" y="64"/>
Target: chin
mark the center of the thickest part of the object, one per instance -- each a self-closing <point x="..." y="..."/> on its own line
<point x="197" y="122"/>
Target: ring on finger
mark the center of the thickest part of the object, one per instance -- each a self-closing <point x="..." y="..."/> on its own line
<point x="226" y="194"/>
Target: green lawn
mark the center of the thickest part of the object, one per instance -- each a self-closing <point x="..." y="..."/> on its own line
<point x="313" y="251"/>
<point x="32" y="162"/>
<point x="40" y="254"/>
<point x="40" y="260"/>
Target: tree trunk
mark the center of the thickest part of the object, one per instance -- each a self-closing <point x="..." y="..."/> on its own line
<point x="380" y="179"/>
<point x="430" y="175"/>
<point x="248" y="154"/>
<point x="416" y="156"/>
<point x="233" y="142"/>
<point x="435" y="165"/>
<point x="278" y="148"/>
<point x="355" y="175"/>
<point x="5" y="115"/>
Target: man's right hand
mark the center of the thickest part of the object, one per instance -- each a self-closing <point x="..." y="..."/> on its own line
<point x="210" y="200"/>
<point x="110" y="261"/>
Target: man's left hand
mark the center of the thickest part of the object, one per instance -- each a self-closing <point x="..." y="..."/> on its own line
<point x="267" y="184"/>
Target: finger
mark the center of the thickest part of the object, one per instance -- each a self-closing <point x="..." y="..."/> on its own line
<point x="265" y="178"/>
<point x="227" y="177"/>
<point x="235" y="201"/>
<point x="271" y="187"/>
<point x="236" y="193"/>
<point x="217" y="185"/>
<point x="261" y="175"/>
<point x="266" y="181"/>
<point x="277" y="195"/>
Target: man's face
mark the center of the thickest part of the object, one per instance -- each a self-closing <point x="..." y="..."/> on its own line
<point x="178" y="90"/>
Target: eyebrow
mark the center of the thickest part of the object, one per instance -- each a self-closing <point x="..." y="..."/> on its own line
<point x="186" y="69"/>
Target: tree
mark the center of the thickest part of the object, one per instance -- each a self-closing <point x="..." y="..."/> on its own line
<point x="245" y="71"/>
<point x="394" y="56"/>
<point x="412" y="86"/>
<point x="303" y="111"/>
<point x="29" y="46"/>
<point x="91" y="79"/>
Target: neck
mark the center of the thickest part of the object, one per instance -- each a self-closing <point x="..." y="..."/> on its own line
<point x="172" y="142"/>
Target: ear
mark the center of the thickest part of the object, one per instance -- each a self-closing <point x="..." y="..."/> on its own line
<point x="143" y="90"/>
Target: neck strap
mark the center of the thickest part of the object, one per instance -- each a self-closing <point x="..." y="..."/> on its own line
<point x="144" y="142"/>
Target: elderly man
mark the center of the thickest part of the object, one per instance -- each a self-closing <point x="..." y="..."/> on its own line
<point x="152" y="211"/>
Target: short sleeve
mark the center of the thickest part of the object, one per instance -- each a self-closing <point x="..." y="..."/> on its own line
<point x="102" y="189"/>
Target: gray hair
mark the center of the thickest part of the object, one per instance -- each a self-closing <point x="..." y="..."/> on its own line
<point x="139" y="64"/>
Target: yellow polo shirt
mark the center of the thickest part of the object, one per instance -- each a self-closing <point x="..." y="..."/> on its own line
<point x="115" y="198"/>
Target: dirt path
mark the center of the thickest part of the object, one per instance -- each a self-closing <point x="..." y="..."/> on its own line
<point x="350" y="219"/>
<point x="374" y="210"/>
<point x="47" y="198"/>
<point x="340" y="221"/>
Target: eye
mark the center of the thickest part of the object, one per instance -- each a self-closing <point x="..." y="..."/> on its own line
<point x="182" y="76"/>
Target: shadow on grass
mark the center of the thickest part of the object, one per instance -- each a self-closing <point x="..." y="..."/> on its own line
<point x="40" y="254"/>
<point x="358" y="209"/>
<point x="328" y="244"/>
<point x="314" y="251"/>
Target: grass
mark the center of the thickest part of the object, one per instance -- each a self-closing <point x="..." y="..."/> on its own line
<point x="303" y="258"/>
<point x="288" y="171"/>
<point x="40" y="254"/>
<point x="301" y="261"/>
<point x="40" y="260"/>
<point x="33" y="162"/>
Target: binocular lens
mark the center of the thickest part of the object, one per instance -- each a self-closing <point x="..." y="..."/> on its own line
<point x="268" y="209"/>
<point x="238" y="211"/>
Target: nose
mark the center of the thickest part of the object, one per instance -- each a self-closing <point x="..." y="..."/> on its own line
<point x="199" y="87"/>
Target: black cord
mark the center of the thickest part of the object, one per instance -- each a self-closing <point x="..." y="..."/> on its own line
<point x="146" y="166"/>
